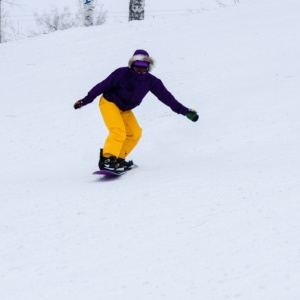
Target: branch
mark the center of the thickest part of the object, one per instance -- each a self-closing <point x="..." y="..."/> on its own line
<point x="49" y="24"/>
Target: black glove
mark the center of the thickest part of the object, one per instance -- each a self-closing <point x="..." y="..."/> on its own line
<point x="78" y="104"/>
<point x="192" y="115"/>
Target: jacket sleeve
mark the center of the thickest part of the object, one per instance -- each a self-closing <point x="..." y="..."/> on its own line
<point x="107" y="84"/>
<point x="159" y="90"/>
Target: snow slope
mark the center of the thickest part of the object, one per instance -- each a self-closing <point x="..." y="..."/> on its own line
<point x="211" y="213"/>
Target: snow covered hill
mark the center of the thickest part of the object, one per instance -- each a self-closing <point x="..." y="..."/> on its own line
<point x="212" y="211"/>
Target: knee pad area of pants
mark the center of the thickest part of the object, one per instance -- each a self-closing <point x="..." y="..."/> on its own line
<point x="117" y="134"/>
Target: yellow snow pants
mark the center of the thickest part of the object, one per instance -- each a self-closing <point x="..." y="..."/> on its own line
<point x="124" y="130"/>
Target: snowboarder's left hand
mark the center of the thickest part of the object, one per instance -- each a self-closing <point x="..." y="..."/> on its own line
<point x="192" y="115"/>
<point x="78" y="104"/>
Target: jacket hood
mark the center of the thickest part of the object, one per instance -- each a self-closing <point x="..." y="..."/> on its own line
<point x="141" y="55"/>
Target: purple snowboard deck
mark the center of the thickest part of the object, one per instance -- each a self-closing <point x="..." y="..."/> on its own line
<point x="108" y="173"/>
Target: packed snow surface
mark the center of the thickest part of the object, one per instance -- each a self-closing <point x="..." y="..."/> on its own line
<point x="213" y="210"/>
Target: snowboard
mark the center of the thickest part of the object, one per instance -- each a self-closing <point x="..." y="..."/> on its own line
<point x="112" y="173"/>
<point x="108" y="173"/>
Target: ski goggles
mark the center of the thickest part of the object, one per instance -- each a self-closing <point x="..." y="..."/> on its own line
<point x="140" y="69"/>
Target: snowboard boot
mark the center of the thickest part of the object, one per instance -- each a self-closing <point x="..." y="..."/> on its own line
<point x="127" y="164"/>
<point x="110" y="163"/>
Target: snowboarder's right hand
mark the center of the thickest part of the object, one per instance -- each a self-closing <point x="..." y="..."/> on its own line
<point x="192" y="115"/>
<point x="78" y="104"/>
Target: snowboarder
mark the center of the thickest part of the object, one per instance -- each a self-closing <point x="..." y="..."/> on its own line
<point x="123" y="90"/>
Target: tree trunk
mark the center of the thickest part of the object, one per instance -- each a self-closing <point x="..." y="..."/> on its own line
<point x="136" y="10"/>
<point x="88" y="12"/>
<point x="0" y="22"/>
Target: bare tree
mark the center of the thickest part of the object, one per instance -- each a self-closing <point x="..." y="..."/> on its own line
<point x="3" y="19"/>
<point x="55" y="20"/>
<point x="100" y="16"/>
<point x="2" y="22"/>
<point x="136" y="10"/>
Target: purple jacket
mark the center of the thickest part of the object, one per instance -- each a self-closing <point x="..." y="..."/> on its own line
<point x="126" y="89"/>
